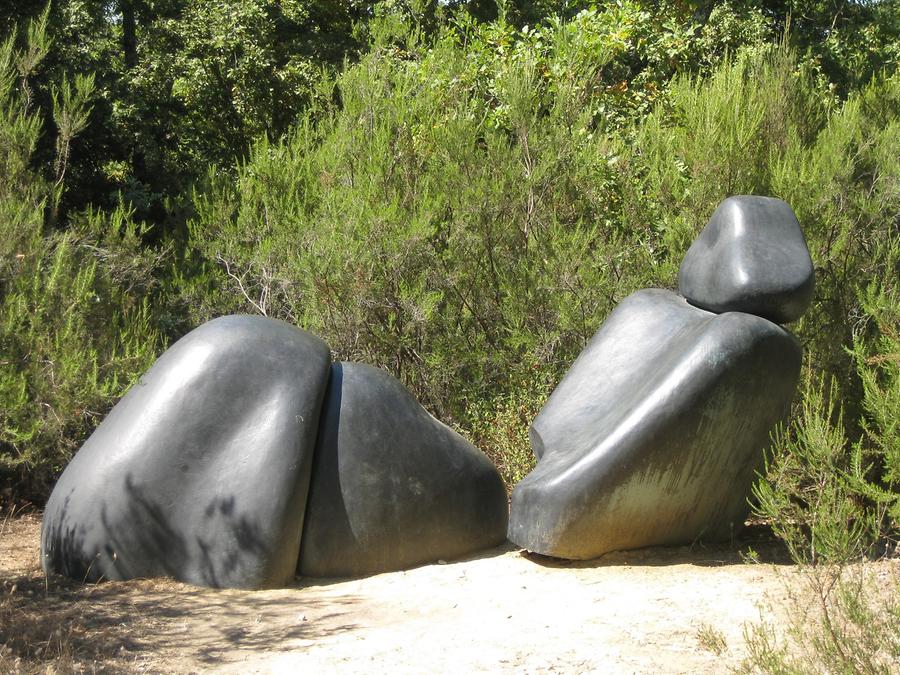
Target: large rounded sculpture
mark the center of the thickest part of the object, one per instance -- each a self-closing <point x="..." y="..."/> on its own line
<point x="654" y="435"/>
<point x="202" y="471"/>
<point x="392" y="486"/>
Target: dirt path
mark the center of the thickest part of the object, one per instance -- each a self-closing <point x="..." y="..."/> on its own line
<point x="637" y="612"/>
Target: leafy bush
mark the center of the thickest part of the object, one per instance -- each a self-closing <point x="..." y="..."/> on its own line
<point x="465" y="212"/>
<point x="835" y="500"/>
<point x="462" y="206"/>
<point x="441" y="222"/>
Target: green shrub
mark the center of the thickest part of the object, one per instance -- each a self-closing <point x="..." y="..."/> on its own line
<point x="840" y="619"/>
<point x="834" y="500"/>
<point x="75" y="323"/>
<point x="74" y="335"/>
<point x="441" y="223"/>
<point x="463" y="206"/>
<point x="500" y="426"/>
<point x="829" y="497"/>
<point x="465" y="212"/>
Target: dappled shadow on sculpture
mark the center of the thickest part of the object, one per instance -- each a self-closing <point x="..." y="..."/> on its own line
<point x="202" y="471"/>
<point x="655" y="434"/>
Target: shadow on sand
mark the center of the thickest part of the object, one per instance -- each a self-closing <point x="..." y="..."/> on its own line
<point x="755" y="543"/>
<point x="44" y="619"/>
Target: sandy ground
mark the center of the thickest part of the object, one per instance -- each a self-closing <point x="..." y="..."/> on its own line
<point x="502" y="611"/>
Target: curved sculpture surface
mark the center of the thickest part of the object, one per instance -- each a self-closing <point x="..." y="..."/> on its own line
<point x="654" y="435"/>
<point x="392" y="486"/>
<point x="201" y="471"/>
<point x="751" y="257"/>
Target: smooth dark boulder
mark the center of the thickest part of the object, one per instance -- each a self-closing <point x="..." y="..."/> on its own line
<point x="392" y="487"/>
<point x="751" y="257"/>
<point x="201" y="471"/>
<point x="655" y="433"/>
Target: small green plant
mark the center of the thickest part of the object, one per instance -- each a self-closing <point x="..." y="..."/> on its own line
<point x="500" y="425"/>
<point x="834" y="499"/>
<point x="711" y="639"/>
<point x="750" y="555"/>
<point x="842" y="619"/>
<point x="816" y="483"/>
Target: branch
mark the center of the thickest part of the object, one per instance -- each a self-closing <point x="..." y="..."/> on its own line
<point x="259" y="306"/>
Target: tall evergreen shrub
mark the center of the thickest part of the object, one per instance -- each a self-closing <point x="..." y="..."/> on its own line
<point x="75" y="324"/>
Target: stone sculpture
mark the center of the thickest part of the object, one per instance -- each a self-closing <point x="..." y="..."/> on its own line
<point x="751" y="257"/>
<point x="378" y="501"/>
<point x="654" y="435"/>
<point x="202" y="471"/>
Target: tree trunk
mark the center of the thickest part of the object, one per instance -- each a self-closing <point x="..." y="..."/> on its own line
<point x="129" y="36"/>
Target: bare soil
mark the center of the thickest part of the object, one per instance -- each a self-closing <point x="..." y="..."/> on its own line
<point x="659" y="610"/>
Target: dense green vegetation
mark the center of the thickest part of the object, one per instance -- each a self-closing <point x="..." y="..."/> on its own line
<point x="458" y="192"/>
